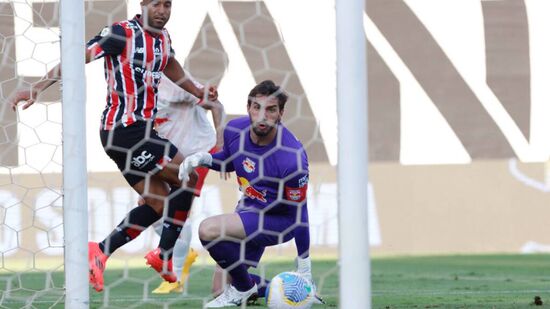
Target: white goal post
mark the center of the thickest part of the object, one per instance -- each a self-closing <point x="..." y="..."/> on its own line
<point x="75" y="184"/>
<point x="352" y="154"/>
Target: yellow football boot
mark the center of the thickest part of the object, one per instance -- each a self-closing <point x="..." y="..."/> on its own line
<point x="177" y="287"/>
<point x="191" y="257"/>
<point x="166" y="287"/>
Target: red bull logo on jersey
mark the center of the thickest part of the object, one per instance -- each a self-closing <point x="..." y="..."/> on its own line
<point x="250" y="192"/>
<point x="249" y="165"/>
<point x="296" y="194"/>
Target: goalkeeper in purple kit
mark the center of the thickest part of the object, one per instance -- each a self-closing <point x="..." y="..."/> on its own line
<point x="272" y="171"/>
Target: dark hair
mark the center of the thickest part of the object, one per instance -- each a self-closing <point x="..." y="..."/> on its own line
<point x="268" y="88"/>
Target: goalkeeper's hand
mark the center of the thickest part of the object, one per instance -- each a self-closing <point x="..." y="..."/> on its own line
<point x="193" y="161"/>
<point x="303" y="267"/>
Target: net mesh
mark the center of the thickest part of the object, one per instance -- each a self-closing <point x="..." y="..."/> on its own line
<point x="233" y="44"/>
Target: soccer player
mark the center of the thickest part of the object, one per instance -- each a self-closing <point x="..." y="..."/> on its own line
<point x="136" y="53"/>
<point x="182" y="119"/>
<point x="272" y="170"/>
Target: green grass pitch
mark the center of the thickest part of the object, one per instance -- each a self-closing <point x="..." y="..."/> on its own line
<point x="466" y="281"/>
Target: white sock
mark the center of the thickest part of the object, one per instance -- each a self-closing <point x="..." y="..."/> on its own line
<point x="181" y="249"/>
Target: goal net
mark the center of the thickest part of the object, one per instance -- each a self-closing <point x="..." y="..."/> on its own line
<point x="232" y="44"/>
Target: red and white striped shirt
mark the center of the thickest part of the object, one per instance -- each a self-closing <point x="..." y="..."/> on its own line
<point x="134" y="60"/>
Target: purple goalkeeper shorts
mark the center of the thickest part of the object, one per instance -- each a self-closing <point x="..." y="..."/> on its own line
<point x="274" y="229"/>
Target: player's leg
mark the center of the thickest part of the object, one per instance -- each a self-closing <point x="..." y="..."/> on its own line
<point x="222" y="226"/>
<point x="182" y="260"/>
<point x="179" y="204"/>
<point x="149" y="162"/>
<point x="136" y="221"/>
<point x="183" y="257"/>
<point x="262" y="283"/>
<point x="184" y="254"/>
<point x="139" y="218"/>
<point x="139" y="154"/>
<point x="181" y="250"/>
<point x="271" y="230"/>
<point x="220" y="279"/>
<point x="160" y="159"/>
<point x="223" y="236"/>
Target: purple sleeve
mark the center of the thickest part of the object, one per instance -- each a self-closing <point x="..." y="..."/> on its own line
<point x="220" y="160"/>
<point x="301" y="234"/>
<point x="296" y="191"/>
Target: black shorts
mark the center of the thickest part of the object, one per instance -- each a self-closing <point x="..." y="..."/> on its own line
<point x="137" y="150"/>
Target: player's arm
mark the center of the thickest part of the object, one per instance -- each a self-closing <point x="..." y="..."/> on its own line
<point x="221" y="160"/>
<point x="218" y="161"/>
<point x="295" y="192"/>
<point x="218" y="117"/>
<point x="30" y="94"/>
<point x="111" y="40"/>
<point x="175" y="73"/>
<point x="302" y="240"/>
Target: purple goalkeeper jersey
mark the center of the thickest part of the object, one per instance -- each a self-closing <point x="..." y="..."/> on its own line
<point x="273" y="177"/>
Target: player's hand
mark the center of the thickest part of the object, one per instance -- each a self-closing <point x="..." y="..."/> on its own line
<point x="219" y="141"/>
<point x="212" y="93"/>
<point x="193" y="161"/>
<point x="225" y="175"/>
<point x="303" y="267"/>
<point x="22" y="95"/>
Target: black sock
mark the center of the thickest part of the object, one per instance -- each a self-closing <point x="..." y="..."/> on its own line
<point x="262" y="284"/>
<point x="228" y="255"/>
<point x="179" y="204"/>
<point x="136" y="221"/>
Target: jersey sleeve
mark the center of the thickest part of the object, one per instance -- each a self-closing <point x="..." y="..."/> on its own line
<point x="301" y="235"/>
<point x="110" y="41"/>
<point x="295" y="187"/>
<point x="220" y="160"/>
<point x="295" y="190"/>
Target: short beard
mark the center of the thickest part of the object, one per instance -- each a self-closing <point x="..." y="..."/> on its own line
<point x="262" y="133"/>
<point x="259" y="133"/>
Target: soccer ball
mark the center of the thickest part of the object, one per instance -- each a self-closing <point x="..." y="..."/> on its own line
<point x="289" y="290"/>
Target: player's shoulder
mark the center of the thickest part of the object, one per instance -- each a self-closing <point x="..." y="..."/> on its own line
<point x="292" y="155"/>
<point x="238" y="124"/>
<point x="290" y="140"/>
<point x="116" y="32"/>
<point x="123" y="23"/>
<point x="120" y="27"/>
<point x="128" y="24"/>
<point x="235" y="127"/>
